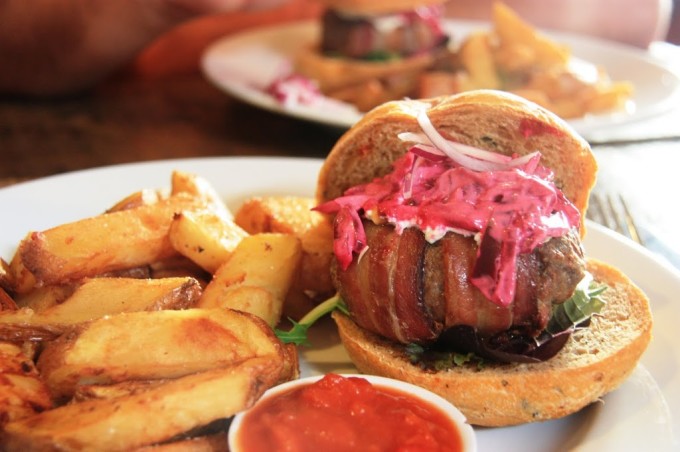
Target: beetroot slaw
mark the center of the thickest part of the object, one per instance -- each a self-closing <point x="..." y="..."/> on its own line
<point x="509" y="204"/>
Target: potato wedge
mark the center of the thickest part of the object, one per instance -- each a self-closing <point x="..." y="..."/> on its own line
<point x="19" y="278"/>
<point x="96" y="298"/>
<point x="513" y="33"/>
<point x="149" y="417"/>
<point x="5" y="275"/>
<point x="103" y="243"/>
<point x="154" y="345"/>
<point x="200" y="188"/>
<point x="257" y="277"/>
<point x="207" y="443"/>
<point x="7" y="303"/>
<point x="294" y="215"/>
<point x="205" y="237"/>
<point x="477" y="57"/>
<point x="41" y="298"/>
<point x="140" y="198"/>
<point x="112" y="391"/>
<point x="22" y="392"/>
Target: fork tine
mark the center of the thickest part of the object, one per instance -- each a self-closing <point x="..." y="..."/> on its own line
<point x="630" y="223"/>
<point x="616" y="217"/>
<point x="613" y="212"/>
<point x="601" y="212"/>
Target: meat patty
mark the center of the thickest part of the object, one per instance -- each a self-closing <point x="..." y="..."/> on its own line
<point x="408" y="290"/>
<point x="382" y="37"/>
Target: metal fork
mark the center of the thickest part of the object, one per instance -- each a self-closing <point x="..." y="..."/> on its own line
<point x="612" y="212"/>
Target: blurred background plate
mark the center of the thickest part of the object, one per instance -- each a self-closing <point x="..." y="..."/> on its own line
<point x="243" y="65"/>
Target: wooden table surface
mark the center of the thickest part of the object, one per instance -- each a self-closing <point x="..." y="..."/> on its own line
<point x="133" y="120"/>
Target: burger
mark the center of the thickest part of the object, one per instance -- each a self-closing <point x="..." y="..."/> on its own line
<point x="370" y="52"/>
<point x="458" y="225"/>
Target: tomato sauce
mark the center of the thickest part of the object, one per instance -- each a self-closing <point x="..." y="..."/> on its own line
<point x="339" y="413"/>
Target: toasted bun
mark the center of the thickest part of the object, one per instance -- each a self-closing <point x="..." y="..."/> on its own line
<point x="376" y="7"/>
<point x="595" y="361"/>
<point x="486" y="119"/>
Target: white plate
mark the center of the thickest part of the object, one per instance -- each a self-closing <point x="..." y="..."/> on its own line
<point x="243" y="64"/>
<point x="643" y="414"/>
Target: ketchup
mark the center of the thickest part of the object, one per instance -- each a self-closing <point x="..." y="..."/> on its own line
<point x="339" y="413"/>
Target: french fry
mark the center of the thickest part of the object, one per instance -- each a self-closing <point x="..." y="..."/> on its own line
<point x="96" y="298"/>
<point x="22" y="392"/>
<point x="200" y="188"/>
<point x="205" y="237"/>
<point x="148" y="417"/>
<point x="103" y="243"/>
<point x="154" y="345"/>
<point x="257" y="276"/>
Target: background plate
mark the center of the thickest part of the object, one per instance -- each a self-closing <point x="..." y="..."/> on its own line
<point x="243" y="64"/>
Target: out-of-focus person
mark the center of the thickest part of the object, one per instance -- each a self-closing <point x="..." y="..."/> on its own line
<point x="50" y="47"/>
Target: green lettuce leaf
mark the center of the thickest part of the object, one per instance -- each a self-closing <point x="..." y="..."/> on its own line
<point x="583" y="304"/>
<point x="298" y="332"/>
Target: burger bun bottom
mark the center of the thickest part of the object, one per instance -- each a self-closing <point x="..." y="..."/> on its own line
<point x="595" y="361"/>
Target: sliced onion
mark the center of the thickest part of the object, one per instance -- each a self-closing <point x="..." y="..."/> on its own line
<point x="429" y="152"/>
<point x="525" y="159"/>
<point x="432" y="142"/>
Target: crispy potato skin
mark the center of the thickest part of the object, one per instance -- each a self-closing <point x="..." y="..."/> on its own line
<point x="257" y="277"/>
<point x="152" y="346"/>
<point x="103" y="344"/>
<point x="103" y="243"/>
<point x="22" y="392"/>
<point x="93" y="299"/>
<point x="125" y="423"/>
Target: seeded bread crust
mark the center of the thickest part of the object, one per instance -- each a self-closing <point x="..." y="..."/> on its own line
<point x="595" y="361"/>
<point x="486" y="119"/>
